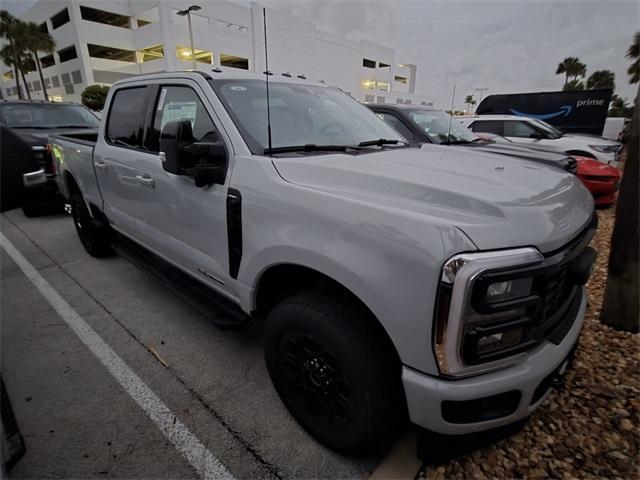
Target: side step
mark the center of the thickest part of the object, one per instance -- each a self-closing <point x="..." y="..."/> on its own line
<point x="225" y="314"/>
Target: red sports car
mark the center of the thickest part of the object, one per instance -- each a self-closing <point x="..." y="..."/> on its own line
<point x="601" y="179"/>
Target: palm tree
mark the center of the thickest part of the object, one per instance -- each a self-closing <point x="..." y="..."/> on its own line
<point x="633" y="53"/>
<point x="571" y="67"/>
<point x="601" y="79"/>
<point x="573" y="85"/>
<point x="38" y="41"/>
<point x="6" y="56"/>
<point x="10" y="56"/>
<point x="469" y="101"/>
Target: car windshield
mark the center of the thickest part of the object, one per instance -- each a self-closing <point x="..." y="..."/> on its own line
<point x="436" y="125"/>
<point x="43" y="115"/>
<point x="549" y="130"/>
<point x="300" y="115"/>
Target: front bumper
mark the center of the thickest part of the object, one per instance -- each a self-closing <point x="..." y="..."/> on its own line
<point x="40" y="188"/>
<point x="425" y="394"/>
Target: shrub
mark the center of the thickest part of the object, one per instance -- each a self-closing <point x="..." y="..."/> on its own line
<point x="94" y="96"/>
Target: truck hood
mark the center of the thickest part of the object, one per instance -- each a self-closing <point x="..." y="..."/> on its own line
<point x="497" y="201"/>
<point x="546" y="157"/>
<point x="589" y="139"/>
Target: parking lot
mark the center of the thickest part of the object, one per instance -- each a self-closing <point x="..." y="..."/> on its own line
<point x="74" y="413"/>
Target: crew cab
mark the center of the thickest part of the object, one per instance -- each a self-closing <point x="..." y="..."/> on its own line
<point x="537" y="133"/>
<point x="393" y="280"/>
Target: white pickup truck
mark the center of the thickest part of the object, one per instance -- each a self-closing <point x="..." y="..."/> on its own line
<point x="438" y="282"/>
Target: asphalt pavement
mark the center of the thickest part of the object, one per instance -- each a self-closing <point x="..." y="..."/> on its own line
<point x="118" y="377"/>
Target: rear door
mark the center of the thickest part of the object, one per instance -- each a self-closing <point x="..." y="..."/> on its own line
<point x="119" y="160"/>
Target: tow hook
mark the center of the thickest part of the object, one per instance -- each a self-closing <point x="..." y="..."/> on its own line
<point x="557" y="382"/>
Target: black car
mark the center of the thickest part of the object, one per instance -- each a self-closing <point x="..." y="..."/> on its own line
<point x="428" y="125"/>
<point x="31" y="122"/>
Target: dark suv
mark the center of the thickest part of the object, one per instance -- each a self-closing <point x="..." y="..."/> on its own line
<point x="429" y="125"/>
<point x="32" y="122"/>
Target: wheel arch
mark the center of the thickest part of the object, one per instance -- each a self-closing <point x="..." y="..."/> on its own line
<point x="281" y="280"/>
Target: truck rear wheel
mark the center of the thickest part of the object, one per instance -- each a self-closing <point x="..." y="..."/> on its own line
<point x="96" y="238"/>
<point x="334" y="373"/>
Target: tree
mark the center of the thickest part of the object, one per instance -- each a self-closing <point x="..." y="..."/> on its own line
<point x="94" y="96"/>
<point x="621" y="302"/>
<point x="469" y="101"/>
<point x="619" y="108"/>
<point x="6" y="55"/>
<point x="571" y="67"/>
<point x="10" y="56"/>
<point x="36" y="41"/>
<point x="633" y="53"/>
<point x="573" y="85"/>
<point x="601" y="79"/>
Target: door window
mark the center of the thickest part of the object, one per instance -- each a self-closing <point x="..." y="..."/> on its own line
<point x="488" y="126"/>
<point x="395" y="123"/>
<point x="126" y="117"/>
<point x="516" y="128"/>
<point x="177" y="103"/>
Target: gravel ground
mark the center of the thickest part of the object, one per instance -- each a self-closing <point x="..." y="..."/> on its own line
<point x="591" y="428"/>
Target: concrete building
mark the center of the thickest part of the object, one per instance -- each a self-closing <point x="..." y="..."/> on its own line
<point x="107" y="40"/>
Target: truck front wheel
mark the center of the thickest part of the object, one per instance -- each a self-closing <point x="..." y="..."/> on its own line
<point x="96" y="238"/>
<point x="334" y="372"/>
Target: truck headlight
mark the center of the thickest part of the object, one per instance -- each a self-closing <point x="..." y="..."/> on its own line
<point x="508" y="290"/>
<point x="485" y="303"/>
<point x="605" y="148"/>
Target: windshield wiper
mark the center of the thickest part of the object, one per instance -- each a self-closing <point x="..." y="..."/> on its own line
<point x="29" y="127"/>
<point x="309" y="147"/>
<point x="379" y="142"/>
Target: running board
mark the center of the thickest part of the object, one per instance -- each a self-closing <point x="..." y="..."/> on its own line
<point x="225" y="314"/>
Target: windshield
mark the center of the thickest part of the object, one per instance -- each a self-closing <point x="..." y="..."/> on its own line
<point x="436" y="125"/>
<point x="36" y="115"/>
<point x="551" y="131"/>
<point x="300" y="115"/>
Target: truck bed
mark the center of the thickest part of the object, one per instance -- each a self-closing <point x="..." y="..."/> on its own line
<point x="73" y="157"/>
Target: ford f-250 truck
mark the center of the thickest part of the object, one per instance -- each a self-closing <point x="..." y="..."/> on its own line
<point x="434" y="282"/>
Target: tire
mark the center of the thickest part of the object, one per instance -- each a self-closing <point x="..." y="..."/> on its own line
<point x="96" y="238"/>
<point x="31" y="211"/>
<point x="334" y="372"/>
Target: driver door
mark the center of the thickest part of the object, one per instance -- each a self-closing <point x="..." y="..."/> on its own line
<point x="190" y="220"/>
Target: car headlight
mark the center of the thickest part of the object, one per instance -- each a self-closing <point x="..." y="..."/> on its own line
<point x="605" y="148"/>
<point x="485" y="304"/>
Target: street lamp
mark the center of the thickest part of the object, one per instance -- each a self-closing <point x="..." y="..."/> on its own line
<point x="187" y="13"/>
<point x="481" y="90"/>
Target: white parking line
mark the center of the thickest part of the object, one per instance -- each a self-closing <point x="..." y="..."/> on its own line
<point x="176" y="432"/>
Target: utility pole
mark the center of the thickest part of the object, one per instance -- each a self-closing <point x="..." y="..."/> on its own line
<point x="187" y="12"/>
<point x="481" y="90"/>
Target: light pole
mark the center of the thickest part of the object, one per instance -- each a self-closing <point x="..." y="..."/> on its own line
<point x="481" y="90"/>
<point x="187" y="13"/>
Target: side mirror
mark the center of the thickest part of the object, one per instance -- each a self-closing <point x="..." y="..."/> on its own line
<point x="208" y="162"/>
<point x="174" y="136"/>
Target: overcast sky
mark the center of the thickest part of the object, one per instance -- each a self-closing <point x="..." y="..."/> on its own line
<point x="505" y="46"/>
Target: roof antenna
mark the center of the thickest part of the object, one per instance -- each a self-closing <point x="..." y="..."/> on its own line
<point x="267" y="73"/>
<point x="451" y="115"/>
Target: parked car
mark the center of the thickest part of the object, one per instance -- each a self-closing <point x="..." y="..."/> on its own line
<point x="32" y="121"/>
<point x="429" y="125"/>
<point x="603" y="181"/>
<point x="393" y="279"/>
<point x="537" y="133"/>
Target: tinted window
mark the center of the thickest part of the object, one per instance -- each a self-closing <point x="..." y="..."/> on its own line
<point x="489" y="126"/>
<point x="126" y="117"/>
<point x="60" y="18"/>
<point x="516" y="128"/>
<point x="396" y="124"/>
<point x="36" y="115"/>
<point x="67" y="54"/>
<point x="181" y="103"/>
